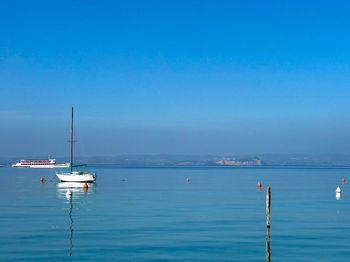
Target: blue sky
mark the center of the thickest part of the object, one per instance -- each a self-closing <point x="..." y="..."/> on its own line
<point x="175" y="77"/>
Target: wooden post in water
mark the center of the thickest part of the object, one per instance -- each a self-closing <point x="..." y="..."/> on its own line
<point x="268" y="204"/>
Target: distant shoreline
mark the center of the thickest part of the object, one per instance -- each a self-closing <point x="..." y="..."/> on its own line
<point x="220" y="167"/>
<point x="205" y="161"/>
<point x="199" y="167"/>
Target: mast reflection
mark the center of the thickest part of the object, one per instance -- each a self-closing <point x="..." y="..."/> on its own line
<point x="268" y="251"/>
<point x="71" y="228"/>
<point x="73" y="192"/>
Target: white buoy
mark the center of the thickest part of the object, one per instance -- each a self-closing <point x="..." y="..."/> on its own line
<point x="69" y="194"/>
<point x="338" y="190"/>
<point x="338" y="193"/>
<point x="337" y="196"/>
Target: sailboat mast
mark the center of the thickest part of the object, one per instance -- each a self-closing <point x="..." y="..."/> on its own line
<point x="71" y="143"/>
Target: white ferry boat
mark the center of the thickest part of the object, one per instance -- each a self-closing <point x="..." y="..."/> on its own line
<point x="38" y="163"/>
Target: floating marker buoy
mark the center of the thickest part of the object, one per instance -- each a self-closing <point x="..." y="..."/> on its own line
<point x="338" y="190"/>
<point x="42" y="180"/>
<point x="188" y="180"/>
<point x="338" y="193"/>
<point x="259" y="184"/>
<point x="343" y="180"/>
<point x="85" y="187"/>
<point x="69" y="194"/>
<point x="337" y="196"/>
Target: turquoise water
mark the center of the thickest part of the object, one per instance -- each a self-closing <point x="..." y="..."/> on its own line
<point x="155" y="214"/>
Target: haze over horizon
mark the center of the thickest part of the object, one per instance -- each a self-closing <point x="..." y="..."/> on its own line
<point x="181" y="77"/>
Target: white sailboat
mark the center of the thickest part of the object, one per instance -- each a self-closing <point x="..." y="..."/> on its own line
<point x="75" y="176"/>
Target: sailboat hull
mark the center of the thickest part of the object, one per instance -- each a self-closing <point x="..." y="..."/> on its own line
<point x="76" y="177"/>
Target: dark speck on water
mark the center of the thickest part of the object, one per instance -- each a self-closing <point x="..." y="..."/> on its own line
<point x="219" y="216"/>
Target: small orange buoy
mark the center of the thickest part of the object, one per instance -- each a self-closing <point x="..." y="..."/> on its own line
<point x="42" y="180"/>
<point x="259" y="185"/>
<point x="85" y="187"/>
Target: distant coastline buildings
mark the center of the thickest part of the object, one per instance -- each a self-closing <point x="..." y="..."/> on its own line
<point x="236" y="162"/>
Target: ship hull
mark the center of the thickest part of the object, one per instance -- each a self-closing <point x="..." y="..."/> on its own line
<point x="76" y="177"/>
<point x="41" y="166"/>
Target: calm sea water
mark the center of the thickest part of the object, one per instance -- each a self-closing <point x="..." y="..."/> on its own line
<point x="155" y="214"/>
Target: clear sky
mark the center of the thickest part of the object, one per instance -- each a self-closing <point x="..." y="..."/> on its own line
<point x="175" y="77"/>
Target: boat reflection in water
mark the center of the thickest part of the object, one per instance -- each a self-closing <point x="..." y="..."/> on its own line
<point x="77" y="193"/>
<point x="77" y="189"/>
